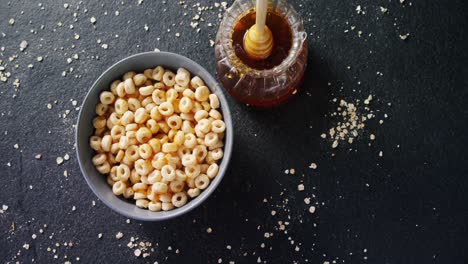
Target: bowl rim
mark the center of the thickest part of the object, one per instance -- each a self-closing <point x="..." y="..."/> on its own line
<point x="227" y="149"/>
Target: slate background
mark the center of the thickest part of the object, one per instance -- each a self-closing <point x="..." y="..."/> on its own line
<point x="409" y="206"/>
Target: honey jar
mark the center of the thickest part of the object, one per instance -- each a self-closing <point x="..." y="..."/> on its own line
<point x="267" y="81"/>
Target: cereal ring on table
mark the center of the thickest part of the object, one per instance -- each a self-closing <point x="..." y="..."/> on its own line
<point x="202" y="93"/>
<point x="169" y="78"/>
<point x="158" y="73"/>
<point x="196" y="82"/>
<point x="179" y="199"/>
<point x="139" y="79"/>
<point x="202" y="181"/>
<point x="107" y="98"/>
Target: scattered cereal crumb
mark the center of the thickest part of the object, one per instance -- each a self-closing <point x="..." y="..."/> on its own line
<point x="209" y="230"/>
<point x="99" y="235"/>
<point x="23" y="45"/>
<point x="300" y="187"/>
<point x="335" y="144"/>
<point x="11" y="21"/>
<point x="119" y="235"/>
<point x="359" y="10"/>
<point x="59" y="160"/>
<point x="313" y="166"/>
<point x="137" y="252"/>
<point x="404" y="36"/>
<point x="312" y="209"/>
<point x="38" y="156"/>
<point x="104" y="46"/>
<point x="40" y="59"/>
<point x="372" y="137"/>
<point x="66" y="157"/>
<point x="4" y="208"/>
<point x="368" y="99"/>
<point x="92" y="20"/>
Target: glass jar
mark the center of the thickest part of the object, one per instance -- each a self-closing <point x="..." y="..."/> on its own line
<point x="252" y="86"/>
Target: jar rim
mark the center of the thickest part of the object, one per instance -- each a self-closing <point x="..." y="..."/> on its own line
<point x="241" y="8"/>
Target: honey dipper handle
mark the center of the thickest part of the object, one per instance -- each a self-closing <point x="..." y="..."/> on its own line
<point x="261" y="10"/>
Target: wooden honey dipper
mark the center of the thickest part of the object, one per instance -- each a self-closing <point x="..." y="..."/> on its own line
<point x="258" y="40"/>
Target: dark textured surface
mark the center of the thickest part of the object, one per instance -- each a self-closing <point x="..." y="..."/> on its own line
<point x="409" y="206"/>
